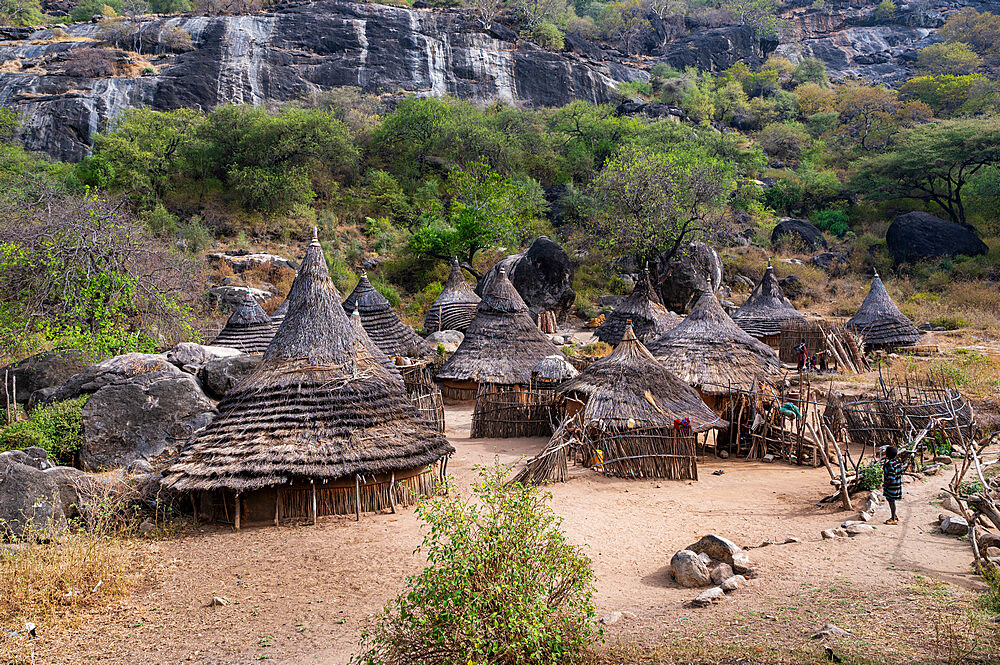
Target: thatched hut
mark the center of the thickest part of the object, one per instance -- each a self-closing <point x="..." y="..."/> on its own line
<point x="501" y="345"/>
<point x="248" y="329"/>
<point x="279" y="314"/>
<point x="551" y="371"/>
<point x="455" y="307"/>
<point x="322" y="427"/>
<point x="712" y="354"/>
<point x="765" y="310"/>
<point x="650" y="319"/>
<point x="879" y="322"/>
<point x="640" y="419"/>
<point x="380" y="321"/>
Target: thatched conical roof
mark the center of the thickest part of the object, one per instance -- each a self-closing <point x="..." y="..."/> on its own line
<point x="455" y="307"/>
<point x="710" y="352"/>
<point x="502" y="344"/>
<point x="553" y="369"/>
<point x="629" y="384"/>
<point x="279" y="314"/>
<point x="248" y="329"/>
<point x="766" y="308"/>
<point x="643" y="308"/>
<point x="382" y="324"/>
<point x="321" y="406"/>
<point x="879" y="322"/>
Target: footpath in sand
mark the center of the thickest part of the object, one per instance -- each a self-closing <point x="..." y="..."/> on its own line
<point x="301" y="594"/>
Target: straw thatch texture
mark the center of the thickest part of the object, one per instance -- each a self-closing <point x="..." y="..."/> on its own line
<point x="711" y="353"/>
<point x="248" y="329"/>
<point x="880" y="323"/>
<point x="279" y="314"/>
<point x="502" y="344"/>
<point x="630" y="387"/>
<point x="455" y="307"/>
<point x="650" y="319"/>
<point x="380" y="321"/>
<point x="552" y="370"/>
<point x="320" y="407"/>
<point x="766" y="308"/>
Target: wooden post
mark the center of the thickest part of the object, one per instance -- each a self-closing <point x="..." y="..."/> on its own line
<point x="357" y="497"/>
<point x="312" y="483"/>
<point x="277" y="504"/>
<point x="392" y="492"/>
<point x="844" y="495"/>
<point x="194" y="508"/>
<point x="236" y="519"/>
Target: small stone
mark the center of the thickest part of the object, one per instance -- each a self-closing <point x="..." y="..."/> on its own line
<point x="723" y="454"/>
<point x="993" y="552"/>
<point x="864" y="517"/>
<point x="732" y="584"/>
<point x="859" y="530"/>
<point x="147" y="527"/>
<point x="932" y="469"/>
<point x="829" y="630"/>
<point x="908" y="479"/>
<point x="791" y="539"/>
<point x="849" y="523"/>
<point x="840" y="533"/>
<point x="713" y="595"/>
<point x="950" y="504"/>
<point x="218" y="601"/>
<point x="768" y="458"/>
<point x="611" y="618"/>
<point x="828" y="534"/>
<point x="689" y="570"/>
<point x="955" y="525"/>
<point x="721" y="573"/>
<point x="942" y="459"/>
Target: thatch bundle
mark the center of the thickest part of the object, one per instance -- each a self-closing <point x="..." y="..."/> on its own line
<point x="629" y="389"/>
<point x="880" y="323"/>
<point x="248" y="329"/>
<point x="501" y="345"/>
<point x="382" y="324"/>
<point x="650" y="319"/>
<point x="455" y="307"/>
<point x="766" y="309"/>
<point x="711" y="353"/>
<point x="279" y="314"/>
<point x="321" y="408"/>
<point x="551" y="371"/>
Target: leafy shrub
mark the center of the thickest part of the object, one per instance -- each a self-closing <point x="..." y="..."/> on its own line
<point x="870" y="475"/>
<point x="833" y="220"/>
<point x="548" y="36"/>
<point x="55" y="428"/>
<point x="196" y="235"/>
<point x="176" y="40"/>
<point x="161" y="221"/>
<point x="502" y="585"/>
<point x="388" y="291"/>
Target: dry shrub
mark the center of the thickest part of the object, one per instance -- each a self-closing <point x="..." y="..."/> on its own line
<point x="91" y="62"/>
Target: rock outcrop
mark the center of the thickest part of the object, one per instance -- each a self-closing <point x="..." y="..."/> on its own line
<point x="43" y="370"/>
<point x="683" y="278"/>
<point x="542" y="275"/>
<point x="284" y="55"/>
<point x="220" y="375"/>
<point x="917" y="236"/>
<point x="107" y="372"/>
<point x="798" y="232"/>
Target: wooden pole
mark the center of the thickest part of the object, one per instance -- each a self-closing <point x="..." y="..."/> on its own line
<point x="312" y="483"/>
<point x="357" y="497"/>
<point x="392" y="492"/>
<point x="194" y="508"/>
<point x="844" y="494"/>
<point x="236" y="519"/>
<point x="277" y="504"/>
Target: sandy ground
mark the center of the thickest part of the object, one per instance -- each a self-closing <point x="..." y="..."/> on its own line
<point x="301" y="594"/>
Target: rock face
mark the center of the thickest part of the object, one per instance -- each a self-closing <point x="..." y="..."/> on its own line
<point x="716" y="49"/>
<point x="187" y="353"/>
<point x="916" y="236"/>
<point x="141" y="418"/>
<point x="228" y="298"/>
<point x="683" y="278"/>
<point x="110" y="371"/>
<point x="220" y="375"/>
<point x="241" y="260"/>
<point x="798" y="231"/>
<point x="29" y="500"/>
<point x="284" y="55"/>
<point x="542" y="275"/>
<point x="44" y="370"/>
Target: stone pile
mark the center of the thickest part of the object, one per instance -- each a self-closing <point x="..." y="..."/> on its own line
<point x="714" y="562"/>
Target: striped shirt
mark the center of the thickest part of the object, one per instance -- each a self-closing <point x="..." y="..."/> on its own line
<point x="892" y="474"/>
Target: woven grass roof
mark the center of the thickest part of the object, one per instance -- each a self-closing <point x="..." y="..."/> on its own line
<point x="879" y="322"/>
<point x="553" y="369"/>
<point x="629" y="384"/>
<point x="279" y="314"/>
<point x="502" y="344"/>
<point x="381" y="322"/>
<point x="455" y="307"/>
<point x="650" y="319"/>
<point x="766" y="308"/>
<point x="248" y="329"/>
<point x="321" y="406"/>
<point x="710" y="352"/>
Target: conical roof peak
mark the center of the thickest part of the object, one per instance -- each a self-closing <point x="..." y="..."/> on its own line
<point x="879" y="321"/>
<point x="501" y="296"/>
<point x="766" y="308"/>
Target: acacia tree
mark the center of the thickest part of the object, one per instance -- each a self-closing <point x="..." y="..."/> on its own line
<point x="757" y="14"/>
<point x="872" y="116"/>
<point x="651" y="202"/>
<point x="933" y="163"/>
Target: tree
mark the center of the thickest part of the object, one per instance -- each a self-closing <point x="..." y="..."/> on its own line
<point x="948" y="58"/>
<point x="652" y="201"/>
<point x="485" y="11"/>
<point x="811" y="70"/>
<point x="625" y="22"/>
<point x="757" y="14"/>
<point x="20" y="12"/>
<point x="874" y="115"/>
<point x="486" y="210"/>
<point x="981" y="31"/>
<point x="948" y="95"/>
<point x="933" y="163"/>
<point x="534" y="12"/>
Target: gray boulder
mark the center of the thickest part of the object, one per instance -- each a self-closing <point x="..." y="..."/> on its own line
<point x="918" y="236"/>
<point x="798" y="232"/>
<point x="107" y="372"/>
<point x="43" y="370"/>
<point x="830" y="260"/>
<point x="33" y="457"/>
<point x="449" y="339"/>
<point x="721" y="572"/>
<point x="709" y="596"/>
<point x="542" y="275"/>
<point x="220" y="375"/>
<point x="188" y="353"/>
<point x="241" y="260"/>
<point x="228" y="298"/>
<point x="732" y="583"/>
<point x="682" y="278"/>
<point x="30" y="502"/>
<point x="689" y="570"/>
<point x="142" y="418"/>
<point x="725" y="550"/>
<point x="859" y="530"/>
<point x="75" y="488"/>
<point x="955" y="525"/>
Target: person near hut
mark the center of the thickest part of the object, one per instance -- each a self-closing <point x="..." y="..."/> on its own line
<point x="892" y="481"/>
<point x="802" y="354"/>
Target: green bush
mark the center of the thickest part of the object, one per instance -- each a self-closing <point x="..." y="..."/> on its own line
<point x="502" y="585"/>
<point x="833" y="220"/>
<point x="55" y="428"/>
<point x="548" y="37"/>
<point x="388" y="291"/>
<point x="196" y="235"/>
<point x="870" y="475"/>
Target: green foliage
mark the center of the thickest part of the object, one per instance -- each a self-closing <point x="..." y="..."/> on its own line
<point x="981" y="31"/>
<point x="625" y="22"/>
<point x="870" y="475"/>
<point x="761" y="15"/>
<point x="785" y="141"/>
<point x="196" y="235"/>
<point x="160" y="221"/>
<point x="388" y="291"/>
<point x="886" y="9"/>
<point x="811" y="70"/>
<point x="955" y="58"/>
<point x="501" y="587"/>
<point x="21" y="12"/>
<point x="833" y="220"/>
<point x="56" y="428"/>
<point x="547" y="36"/>
<point x="949" y="95"/>
<point x="170" y="6"/>
<point x="86" y="9"/>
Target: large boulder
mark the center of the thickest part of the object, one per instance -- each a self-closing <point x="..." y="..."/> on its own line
<point x="798" y="232"/>
<point x="189" y="353"/>
<point x="107" y="372"/>
<point x="689" y="570"/>
<point x="220" y="375"/>
<point x="30" y="502"/>
<point x="142" y="418"/>
<point x="241" y="260"/>
<point x="724" y="550"/>
<point x="44" y="370"/>
<point x="449" y="339"/>
<point x="228" y="298"/>
<point x="542" y="275"/>
<point x="33" y="457"/>
<point x="682" y="278"/>
<point x="917" y="236"/>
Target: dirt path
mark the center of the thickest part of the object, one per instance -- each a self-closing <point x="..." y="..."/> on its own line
<point x="300" y="595"/>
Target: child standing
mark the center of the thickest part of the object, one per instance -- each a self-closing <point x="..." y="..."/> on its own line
<point x="892" y="481"/>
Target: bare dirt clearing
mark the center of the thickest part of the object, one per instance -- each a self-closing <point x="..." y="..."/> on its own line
<point x="301" y="594"/>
